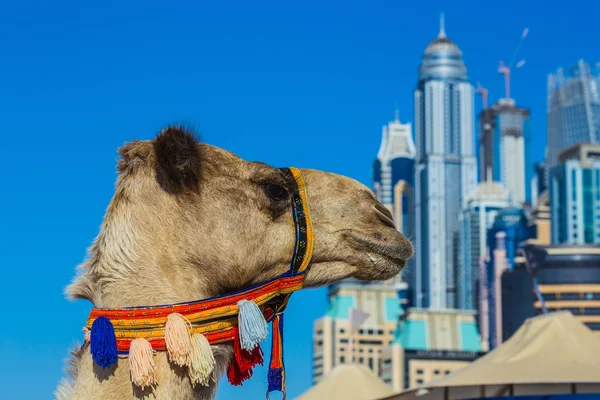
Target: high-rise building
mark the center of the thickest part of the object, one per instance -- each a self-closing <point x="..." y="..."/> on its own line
<point x="480" y="209"/>
<point x="566" y="277"/>
<point x="393" y="182"/>
<point x="395" y="163"/>
<point x="446" y="169"/>
<point x="504" y="137"/>
<point x="573" y="108"/>
<point x="333" y="341"/>
<point x="575" y="195"/>
<point x="504" y="239"/>
<point x="429" y="344"/>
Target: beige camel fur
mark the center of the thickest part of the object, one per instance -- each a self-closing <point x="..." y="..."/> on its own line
<point x="190" y="221"/>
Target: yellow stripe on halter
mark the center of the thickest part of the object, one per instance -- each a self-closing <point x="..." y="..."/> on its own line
<point x="310" y="235"/>
<point x="141" y="324"/>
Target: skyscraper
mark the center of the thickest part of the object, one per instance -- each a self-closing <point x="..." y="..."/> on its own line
<point x="481" y="207"/>
<point x="393" y="181"/>
<point x="446" y="169"/>
<point x="504" y="137"/>
<point x="395" y="163"/>
<point x="573" y="108"/>
<point x="575" y="195"/>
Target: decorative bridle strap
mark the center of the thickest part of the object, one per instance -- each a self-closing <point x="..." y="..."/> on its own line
<point x="303" y="250"/>
<point x="211" y="321"/>
<point x="213" y="318"/>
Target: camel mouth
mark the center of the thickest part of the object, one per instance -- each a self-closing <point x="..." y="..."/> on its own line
<point x="398" y="251"/>
<point x="386" y="258"/>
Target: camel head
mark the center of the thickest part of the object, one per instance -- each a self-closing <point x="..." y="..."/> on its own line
<point x="190" y="221"/>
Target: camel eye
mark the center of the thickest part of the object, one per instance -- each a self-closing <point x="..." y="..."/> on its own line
<point x="276" y="191"/>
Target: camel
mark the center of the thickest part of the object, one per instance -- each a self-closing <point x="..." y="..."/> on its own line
<point x="191" y="221"/>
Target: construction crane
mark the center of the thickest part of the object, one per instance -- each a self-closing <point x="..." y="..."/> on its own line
<point x="506" y="69"/>
<point x="484" y="94"/>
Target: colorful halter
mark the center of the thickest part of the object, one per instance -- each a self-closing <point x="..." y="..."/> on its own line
<point x="186" y="330"/>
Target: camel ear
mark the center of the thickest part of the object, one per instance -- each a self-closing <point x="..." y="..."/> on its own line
<point x="177" y="159"/>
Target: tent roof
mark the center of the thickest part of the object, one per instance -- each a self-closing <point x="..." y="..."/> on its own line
<point x="550" y="348"/>
<point x="349" y="382"/>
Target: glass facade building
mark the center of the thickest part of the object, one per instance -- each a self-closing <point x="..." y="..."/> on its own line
<point x="575" y="196"/>
<point x="573" y="108"/>
<point x="446" y="170"/>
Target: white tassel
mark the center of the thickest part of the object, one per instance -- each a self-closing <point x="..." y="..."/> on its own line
<point x="202" y="360"/>
<point x="177" y="339"/>
<point x="141" y="363"/>
<point x="252" y="325"/>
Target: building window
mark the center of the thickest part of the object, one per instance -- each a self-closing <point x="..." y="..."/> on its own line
<point x="342" y="359"/>
<point x="361" y="360"/>
<point x="420" y="381"/>
<point x="370" y="363"/>
<point x="420" y="372"/>
<point x="342" y="330"/>
<point x="447" y="372"/>
<point x="436" y="372"/>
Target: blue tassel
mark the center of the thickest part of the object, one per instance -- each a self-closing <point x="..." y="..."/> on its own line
<point x="103" y="342"/>
<point x="251" y="324"/>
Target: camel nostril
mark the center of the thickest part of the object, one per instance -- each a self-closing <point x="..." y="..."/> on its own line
<point x="384" y="215"/>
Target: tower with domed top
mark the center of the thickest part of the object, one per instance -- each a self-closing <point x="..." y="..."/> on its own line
<point x="445" y="169"/>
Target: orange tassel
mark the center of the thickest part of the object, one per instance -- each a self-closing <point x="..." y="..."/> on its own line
<point x="177" y="339"/>
<point x="141" y="363"/>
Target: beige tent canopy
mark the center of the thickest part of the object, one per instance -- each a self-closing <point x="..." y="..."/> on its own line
<point x="549" y="354"/>
<point x="349" y="382"/>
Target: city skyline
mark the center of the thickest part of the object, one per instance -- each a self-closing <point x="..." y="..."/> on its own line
<point x="495" y="219"/>
<point x="85" y="79"/>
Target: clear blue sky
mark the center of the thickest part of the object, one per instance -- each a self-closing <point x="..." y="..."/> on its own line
<point x="77" y="81"/>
